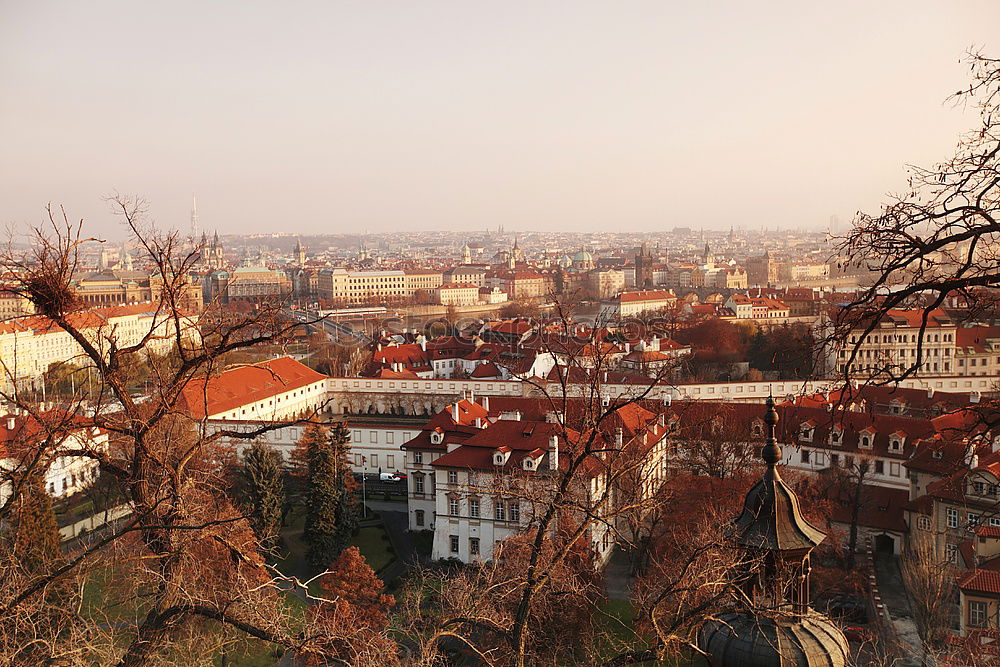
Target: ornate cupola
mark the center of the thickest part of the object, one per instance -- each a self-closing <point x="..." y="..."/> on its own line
<point x="774" y="624"/>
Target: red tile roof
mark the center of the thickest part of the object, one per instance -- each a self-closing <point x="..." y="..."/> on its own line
<point x="246" y="384"/>
<point x="980" y="581"/>
<point x="647" y="295"/>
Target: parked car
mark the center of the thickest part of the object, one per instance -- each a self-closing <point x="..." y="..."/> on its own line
<point x="389" y="477"/>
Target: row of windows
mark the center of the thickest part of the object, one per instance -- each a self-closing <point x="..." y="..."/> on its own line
<point x="473" y="545"/>
<point x="502" y="511"/>
<point x="371" y="461"/>
<point x="819" y="458"/>
<point x="901" y="338"/>
<point x="952" y="519"/>
<point x="390" y="437"/>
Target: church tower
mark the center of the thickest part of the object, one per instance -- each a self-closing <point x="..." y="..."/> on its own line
<point x="300" y="254"/>
<point x="644" y="267"/>
<point x="771" y="622"/>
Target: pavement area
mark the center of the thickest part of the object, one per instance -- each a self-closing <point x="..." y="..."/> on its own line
<point x="396" y="519"/>
<point x="897" y="602"/>
<point x="617" y="576"/>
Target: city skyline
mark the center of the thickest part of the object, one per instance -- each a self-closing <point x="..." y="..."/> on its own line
<point x="449" y="117"/>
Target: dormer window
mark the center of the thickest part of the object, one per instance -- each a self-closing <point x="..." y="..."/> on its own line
<point x="528" y="464"/>
<point x="437" y="437"/>
<point x="937" y="455"/>
<point x="806" y="432"/>
<point x="835" y="437"/>
<point x="895" y="443"/>
<point x="757" y="430"/>
<point x="866" y="440"/>
<point x="501" y="455"/>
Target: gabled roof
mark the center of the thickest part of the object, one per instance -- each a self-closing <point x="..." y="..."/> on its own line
<point x="245" y="385"/>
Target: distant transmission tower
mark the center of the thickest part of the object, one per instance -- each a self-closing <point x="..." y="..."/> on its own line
<point x="195" y="230"/>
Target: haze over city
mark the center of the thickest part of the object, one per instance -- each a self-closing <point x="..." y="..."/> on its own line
<point x="350" y="116"/>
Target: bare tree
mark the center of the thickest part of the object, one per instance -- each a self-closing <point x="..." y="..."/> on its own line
<point x="184" y="566"/>
<point x="931" y="585"/>
<point x="939" y="238"/>
<point x="611" y="464"/>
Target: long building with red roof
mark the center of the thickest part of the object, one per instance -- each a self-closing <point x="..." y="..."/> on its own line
<point x="271" y="391"/>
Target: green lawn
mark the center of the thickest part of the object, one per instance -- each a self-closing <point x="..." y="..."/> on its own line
<point x="375" y="546"/>
<point x="376" y="550"/>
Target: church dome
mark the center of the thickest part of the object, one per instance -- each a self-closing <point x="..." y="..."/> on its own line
<point x="736" y="639"/>
<point x="583" y="256"/>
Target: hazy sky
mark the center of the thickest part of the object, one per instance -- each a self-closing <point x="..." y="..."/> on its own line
<point x="341" y="116"/>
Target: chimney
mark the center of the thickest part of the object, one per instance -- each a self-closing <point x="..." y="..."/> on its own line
<point x="619" y="436"/>
<point x="628" y="347"/>
<point x="486" y="403"/>
<point x="661" y="419"/>
<point x="974" y="462"/>
<point x="454" y="412"/>
<point x="554" y="452"/>
<point x="974" y="396"/>
<point x="930" y="392"/>
<point x="479" y="422"/>
<point x="10" y="423"/>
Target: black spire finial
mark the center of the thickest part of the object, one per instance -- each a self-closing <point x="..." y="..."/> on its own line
<point x="771" y="452"/>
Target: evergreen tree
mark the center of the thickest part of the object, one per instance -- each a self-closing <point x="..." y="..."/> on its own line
<point x="347" y="501"/>
<point x="36" y="542"/>
<point x="320" y="532"/>
<point x="264" y="494"/>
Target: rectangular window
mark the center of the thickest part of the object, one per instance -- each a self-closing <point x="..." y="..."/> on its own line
<point x="355" y="436"/>
<point x="474" y="507"/>
<point x="498" y="510"/>
<point x="418" y="483"/>
<point x="951" y="553"/>
<point x="418" y="457"/>
<point x="453" y="506"/>
<point x="834" y="460"/>
<point x="390" y="438"/>
<point x="373" y="437"/>
<point x="374" y="460"/>
<point x="804" y="455"/>
<point x="390" y="461"/>
<point x="879" y="467"/>
<point x="453" y="539"/>
<point x="452" y="477"/>
<point x="924" y="523"/>
<point x="894" y="469"/>
<point x="977" y="614"/>
<point x="514" y="511"/>
<point x="420" y="517"/>
<point x="973" y="521"/>
<point x="951" y="515"/>
<point x="474" y="546"/>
